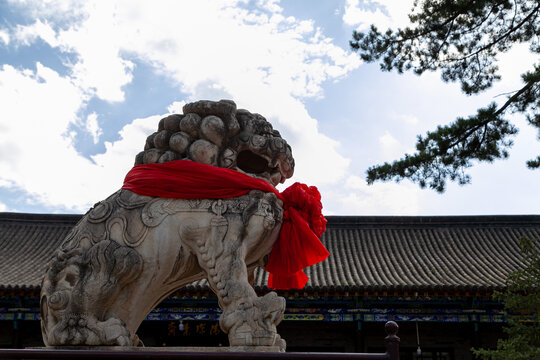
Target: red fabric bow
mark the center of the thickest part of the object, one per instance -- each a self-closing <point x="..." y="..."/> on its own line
<point x="298" y="245"/>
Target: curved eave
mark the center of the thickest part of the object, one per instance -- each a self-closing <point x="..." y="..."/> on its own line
<point x="368" y="254"/>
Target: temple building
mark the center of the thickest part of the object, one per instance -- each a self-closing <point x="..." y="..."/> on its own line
<point x="433" y="275"/>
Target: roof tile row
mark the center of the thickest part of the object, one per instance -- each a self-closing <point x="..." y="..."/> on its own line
<point x="367" y="253"/>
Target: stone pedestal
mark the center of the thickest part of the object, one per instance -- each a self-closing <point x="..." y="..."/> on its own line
<point x="170" y="348"/>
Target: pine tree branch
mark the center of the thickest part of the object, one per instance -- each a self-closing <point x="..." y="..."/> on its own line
<point x="471" y="149"/>
<point x="496" y="41"/>
<point x="497" y="113"/>
<point x="462" y="40"/>
<point x="514" y="97"/>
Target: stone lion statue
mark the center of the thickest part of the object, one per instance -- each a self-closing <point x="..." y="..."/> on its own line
<point x="131" y="251"/>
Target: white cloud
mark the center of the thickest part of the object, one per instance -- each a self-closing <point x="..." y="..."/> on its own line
<point x="3" y="207"/>
<point x="382" y="13"/>
<point x="92" y="127"/>
<point x="120" y="155"/>
<point x="359" y="198"/>
<point x="25" y="35"/>
<point x="409" y="119"/>
<point x="391" y="147"/>
<point x="99" y="71"/>
<point x="37" y="154"/>
<point x="176" y="107"/>
<point x="511" y="65"/>
<point x="4" y="36"/>
<point x="6" y="183"/>
<point x="388" y="141"/>
<point x="270" y="5"/>
<point x="266" y="61"/>
<point x="262" y="60"/>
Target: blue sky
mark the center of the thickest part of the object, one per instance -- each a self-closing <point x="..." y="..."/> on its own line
<point x="83" y="83"/>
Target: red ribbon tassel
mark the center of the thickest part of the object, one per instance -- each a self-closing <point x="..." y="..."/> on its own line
<point x="298" y="245"/>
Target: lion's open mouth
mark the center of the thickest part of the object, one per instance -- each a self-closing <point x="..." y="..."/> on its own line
<point x="261" y="167"/>
<point x="251" y="162"/>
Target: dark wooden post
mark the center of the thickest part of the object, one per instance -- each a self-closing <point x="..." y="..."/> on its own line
<point x="359" y="340"/>
<point x="392" y="341"/>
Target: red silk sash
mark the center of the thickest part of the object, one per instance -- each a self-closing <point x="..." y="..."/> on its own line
<point x="298" y="245"/>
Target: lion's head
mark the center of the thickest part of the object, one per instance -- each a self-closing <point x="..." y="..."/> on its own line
<point x="217" y="134"/>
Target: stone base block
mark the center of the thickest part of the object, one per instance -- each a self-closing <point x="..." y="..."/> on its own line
<point x="171" y="348"/>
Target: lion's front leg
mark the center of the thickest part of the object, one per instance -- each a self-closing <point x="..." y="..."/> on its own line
<point x="249" y="320"/>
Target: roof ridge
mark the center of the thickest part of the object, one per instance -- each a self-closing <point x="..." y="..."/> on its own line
<point x="431" y="221"/>
<point x="39" y="218"/>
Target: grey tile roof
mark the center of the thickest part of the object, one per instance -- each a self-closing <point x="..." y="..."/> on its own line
<point x="27" y="243"/>
<point x="442" y="253"/>
<point x="367" y="253"/>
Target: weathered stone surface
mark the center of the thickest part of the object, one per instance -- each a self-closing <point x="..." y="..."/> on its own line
<point x="169" y="156"/>
<point x="213" y="129"/>
<point x="180" y="142"/>
<point x="216" y="133"/>
<point x="124" y="349"/>
<point x="139" y="158"/>
<point x="204" y="152"/>
<point x="161" y="140"/>
<point x="152" y="156"/>
<point x="150" y="141"/>
<point x="130" y="251"/>
<point x="172" y="122"/>
<point x="225" y="109"/>
<point x="190" y="124"/>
